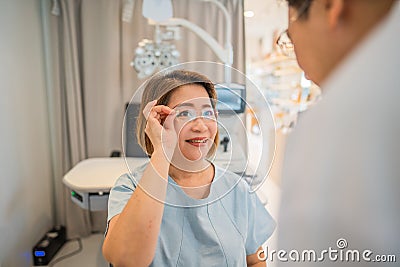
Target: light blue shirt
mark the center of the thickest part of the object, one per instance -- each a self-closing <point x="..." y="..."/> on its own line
<point x="219" y="230"/>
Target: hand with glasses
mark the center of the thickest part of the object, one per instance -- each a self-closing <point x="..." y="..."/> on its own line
<point x="165" y="123"/>
<point x="160" y="128"/>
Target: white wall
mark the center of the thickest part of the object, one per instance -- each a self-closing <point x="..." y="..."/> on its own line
<point x="25" y="169"/>
<point x="269" y="16"/>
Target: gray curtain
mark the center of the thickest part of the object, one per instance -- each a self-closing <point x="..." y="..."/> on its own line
<point x="91" y="48"/>
<point x="66" y="99"/>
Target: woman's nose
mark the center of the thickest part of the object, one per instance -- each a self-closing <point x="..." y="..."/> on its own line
<point x="199" y="124"/>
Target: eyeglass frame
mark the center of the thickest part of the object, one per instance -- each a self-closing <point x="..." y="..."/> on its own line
<point x="207" y="118"/>
<point x="286" y="46"/>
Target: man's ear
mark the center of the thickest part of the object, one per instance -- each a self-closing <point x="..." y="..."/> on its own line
<point x="334" y="9"/>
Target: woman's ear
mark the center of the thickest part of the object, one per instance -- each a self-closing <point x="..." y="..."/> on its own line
<point x="334" y="10"/>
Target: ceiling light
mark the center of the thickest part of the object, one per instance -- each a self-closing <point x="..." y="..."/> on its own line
<point x="248" y="14"/>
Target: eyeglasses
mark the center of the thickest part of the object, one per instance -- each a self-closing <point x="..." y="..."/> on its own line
<point x="284" y="41"/>
<point x="285" y="44"/>
<point x="188" y="114"/>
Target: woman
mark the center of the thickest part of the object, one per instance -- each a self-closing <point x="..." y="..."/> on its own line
<point x="180" y="209"/>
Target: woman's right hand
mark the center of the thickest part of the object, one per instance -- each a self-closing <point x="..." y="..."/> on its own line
<point x="160" y="127"/>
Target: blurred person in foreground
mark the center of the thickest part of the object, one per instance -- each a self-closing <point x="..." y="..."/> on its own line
<point x="341" y="177"/>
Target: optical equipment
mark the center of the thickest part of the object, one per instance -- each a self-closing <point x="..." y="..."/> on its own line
<point x="151" y="56"/>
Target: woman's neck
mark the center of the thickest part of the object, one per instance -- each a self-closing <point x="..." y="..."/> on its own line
<point x="196" y="185"/>
<point x="202" y="174"/>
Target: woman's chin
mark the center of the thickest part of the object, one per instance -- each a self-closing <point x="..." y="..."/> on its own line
<point x="194" y="154"/>
<point x="193" y="158"/>
<point x="190" y="162"/>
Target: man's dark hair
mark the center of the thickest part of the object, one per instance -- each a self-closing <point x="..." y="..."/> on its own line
<point x="300" y="5"/>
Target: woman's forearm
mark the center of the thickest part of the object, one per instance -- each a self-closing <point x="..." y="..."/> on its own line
<point x="133" y="234"/>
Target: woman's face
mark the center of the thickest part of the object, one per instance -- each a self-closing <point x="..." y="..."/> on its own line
<point x="195" y="122"/>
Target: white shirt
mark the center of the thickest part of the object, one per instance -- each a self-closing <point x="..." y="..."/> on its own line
<point x="341" y="176"/>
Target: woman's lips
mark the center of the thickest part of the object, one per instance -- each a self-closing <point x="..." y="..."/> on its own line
<point x="198" y="141"/>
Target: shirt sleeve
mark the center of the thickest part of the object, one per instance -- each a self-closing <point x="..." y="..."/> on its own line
<point x="260" y="224"/>
<point x="119" y="196"/>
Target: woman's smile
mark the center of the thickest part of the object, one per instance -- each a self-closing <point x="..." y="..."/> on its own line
<point x="198" y="141"/>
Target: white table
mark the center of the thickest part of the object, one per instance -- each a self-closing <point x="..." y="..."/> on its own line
<point x="91" y="180"/>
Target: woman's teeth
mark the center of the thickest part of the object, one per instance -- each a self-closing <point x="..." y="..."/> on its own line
<point x="197" y="141"/>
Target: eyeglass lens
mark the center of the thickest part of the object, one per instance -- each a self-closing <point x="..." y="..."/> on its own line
<point x="188" y="114"/>
<point x="285" y="44"/>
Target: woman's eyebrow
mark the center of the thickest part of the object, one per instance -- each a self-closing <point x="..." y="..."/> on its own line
<point x="183" y="105"/>
<point x="191" y="105"/>
<point x="206" y="106"/>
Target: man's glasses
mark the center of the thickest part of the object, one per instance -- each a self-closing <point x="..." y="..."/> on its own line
<point x="284" y="41"/>
<point x="285" y="44"/>
<point x="186" y="114"/>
